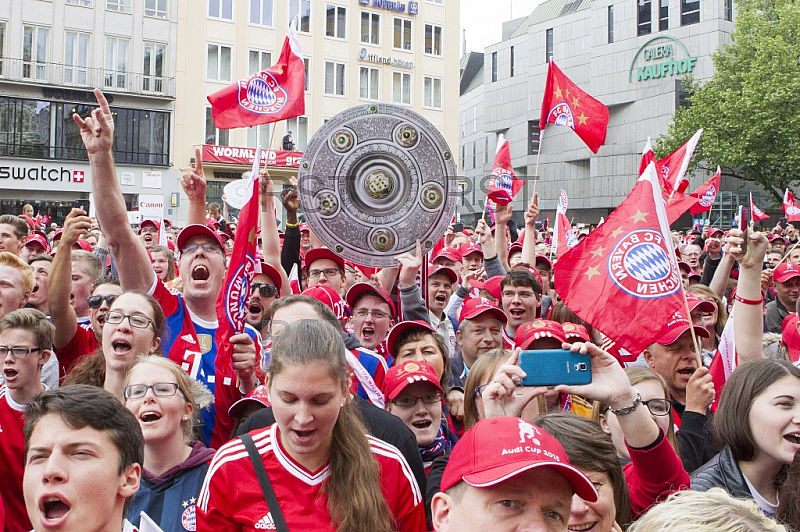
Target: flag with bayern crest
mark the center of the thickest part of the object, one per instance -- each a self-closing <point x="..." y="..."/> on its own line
<point x="504" y="184"/>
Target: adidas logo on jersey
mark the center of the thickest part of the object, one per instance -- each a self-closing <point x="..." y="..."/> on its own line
<point x="266" y="523"/>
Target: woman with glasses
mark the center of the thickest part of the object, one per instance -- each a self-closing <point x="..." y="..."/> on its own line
<point x="166" y="402"/>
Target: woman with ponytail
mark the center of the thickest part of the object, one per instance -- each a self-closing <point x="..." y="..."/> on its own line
<point x="327" y="474"/>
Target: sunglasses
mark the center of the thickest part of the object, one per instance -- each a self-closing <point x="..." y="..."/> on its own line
<point x="265" y="290"/>
<point x="97" y="301"/>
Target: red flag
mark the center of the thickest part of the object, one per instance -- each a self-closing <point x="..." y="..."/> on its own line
<point x="565" y="104"/>
<point x="649" y="157"/>
<point x="677" y="205"/>
<point x="790" y="207"/>
<point x="755" y="212"/>
<point x="706" y="193"/>
<point x="672" y="168"/>
<point x="277" y="93"/>
<point x="623" y="278"/>
<point x="567" y="239"/>
<point x="504" y="185"/>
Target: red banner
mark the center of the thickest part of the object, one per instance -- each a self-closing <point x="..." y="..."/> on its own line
<point x="245" y="156"/>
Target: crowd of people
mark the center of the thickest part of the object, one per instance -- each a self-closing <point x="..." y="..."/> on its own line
<point x="381" y="400"/>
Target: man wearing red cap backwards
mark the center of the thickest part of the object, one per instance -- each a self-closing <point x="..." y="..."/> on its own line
<point x="506" y="474"/>
<point x="787" y="290"/>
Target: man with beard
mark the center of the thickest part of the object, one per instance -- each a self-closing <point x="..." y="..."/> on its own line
<point x="265" y="289"/>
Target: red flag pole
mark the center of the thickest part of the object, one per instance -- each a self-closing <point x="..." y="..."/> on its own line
<point x="695" y="342"/>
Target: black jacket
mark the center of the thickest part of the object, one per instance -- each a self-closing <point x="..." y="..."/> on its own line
<point x="722" y="471"/>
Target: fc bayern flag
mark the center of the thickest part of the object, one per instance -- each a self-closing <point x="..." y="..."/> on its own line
<point x="672" y="168"/>
<point x="755" y="212"/>
<point x="504" y="184"/>
<point x="648" y="157"/>
<point x="623" y="278"/>
<point x="706" y="194"/>
<point x="790" y="207"/>
<point x="565" y="104"/>
<point x="277" y="93"/>
<point x="566" y="235"/>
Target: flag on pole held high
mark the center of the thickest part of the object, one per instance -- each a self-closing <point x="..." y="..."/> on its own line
<point x="565" y="104"/>
<point x="706" y="194"/>
<point x="504" y="185"/>
<point x="790" y="207"/>
<point x="567" y="239"/>
<point x="672" y="168"/>
<point x="623" y="278"/>
<point x="756" y="214"/>
<point x="277" y="93"/>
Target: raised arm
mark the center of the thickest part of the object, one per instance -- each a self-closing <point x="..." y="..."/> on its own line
<point x="133" y="264"/>
<point x="748" y="329"/>
<point x="62" y="315"/>
<point x="193" y="182"/>
<point x="529" y="245"/>
<point x="270" y="241"/>
<point x="501" y="216"/>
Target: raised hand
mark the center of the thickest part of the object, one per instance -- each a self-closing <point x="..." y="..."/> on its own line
<point x="699" y="391"/>
<point x="756" y="248"/>
<point x="503" y="396"/>
<point x="409" y="266"/>
<point x="97" y="130"/>
<point x="503" y="214"/>
<point x="290" y="199"/>
<point x="193" y="180"/>
<point x="532" y="214"/>
<point x="609" y="384"/>
<point x="76" y="225"/>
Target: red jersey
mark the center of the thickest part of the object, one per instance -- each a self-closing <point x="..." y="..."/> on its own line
<point x="83" y="343"/>
<point x="231" y="497"/>
<point x="12" y="463"/>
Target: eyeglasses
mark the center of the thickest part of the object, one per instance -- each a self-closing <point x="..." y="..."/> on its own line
<point x="428" y="399"/>
<point x="160" y="389"/>
<point x="17" y="351"/>
<point x="376" y="314"/>
<point x="479" y="389"/>
<point x="97" y="301"/>
<point x="264" y="289"/>
<point x="329" y="272"/>
<point x="522" y="295"/>
<point x="658" y="407"/>
<point x="136" y="320"/>
<point x="208" y="248"/>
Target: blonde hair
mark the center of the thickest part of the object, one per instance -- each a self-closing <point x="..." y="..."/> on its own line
<point x="481" y="372"/>
<point x="94" y="266"/>
<point x="704" y="292"/>
<point x="701" y="511"/>
<point x="26" y="272"/>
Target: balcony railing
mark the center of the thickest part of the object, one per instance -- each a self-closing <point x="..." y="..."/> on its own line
<point x="61" y="75"/>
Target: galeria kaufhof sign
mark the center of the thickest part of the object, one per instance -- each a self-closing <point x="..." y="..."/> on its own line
<point x="661" y="57"/>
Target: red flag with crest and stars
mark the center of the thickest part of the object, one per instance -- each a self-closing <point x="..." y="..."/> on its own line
<point x="504" y="184"/>
<point x="623" y="278"/>
<point x="756" y="214"/>
<point x="565" y="104"/>
<point x="790" y="207"/>
<point x="706" y="193"/>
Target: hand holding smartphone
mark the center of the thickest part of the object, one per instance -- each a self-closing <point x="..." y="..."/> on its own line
<point x="552" y="367"/>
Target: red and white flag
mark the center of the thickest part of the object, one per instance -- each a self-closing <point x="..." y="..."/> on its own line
<point x="726" y="360"/>
<point x="790" y="207"/>
<point x="672" y="168"/>
<point x="277" y="93"/>
<point x="756" y="214"/>
<point x="504" y="184"/>
<point x="706" y="194"/>
<point x="567" y="239"/>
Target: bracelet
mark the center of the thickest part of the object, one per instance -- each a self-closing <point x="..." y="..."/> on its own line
<point x="628" y="409"/>
<point x="292" y="225"/>
<point x="744" y="301"/>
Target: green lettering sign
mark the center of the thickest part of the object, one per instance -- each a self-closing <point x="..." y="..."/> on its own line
<point x="660" y="59"/>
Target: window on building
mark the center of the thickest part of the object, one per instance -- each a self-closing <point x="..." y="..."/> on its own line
<point x="486" y="150"/>
<point x="610" y="24"/>
<point x="116" y="74"/>
<point x="334" y="78"/>
<point x="258" y="60"/>
<point x="401" y="88"/>
<point x="370" y="28"/>
<point x="533" y="137"/>
<point x="261" y="12"/>
<point x="2" y="45"/>
<point x="141" y="137"/>
<point x="218" y="62"/>
<point x="690" y="12"/>
<point x="475" y="119"/>
<point x="439" y="2"/>
<point x="84" y="3"/>
<point x="463" y="126"/>
<point x="222" y="9"/>
<point x="663" y="15"/>
<point x="35" y="52"/>
<point x="368" y="83"/>
<point x="76" y="58"/>
<point x="681" y="96"/>
<point x="302" y="8"/>
<point x="463" y="157"/>
<point x="123" y="6"/>
<point x="299" y="125"/>
<point x="432" y="94"/>
<point x="494" y="67"/>
<point x="511" y="69"/>
<point x="335" y="21"/>
<point x="155" y="8"/>
<point x="307" y="67"/>
<point x="154" y="67"/>
<point x="402" y="34"/>
<point x="433" y="39"/>
<point x="548" y="45"/>
<point x="645" y="13"/>
<point x="474" y="154"/>
<point x="258" y="136"/>
<point x="727" y="8"/>
<point x="219" y="137"/>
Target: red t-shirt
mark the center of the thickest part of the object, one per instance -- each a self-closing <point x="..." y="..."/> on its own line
<point x="231" y="497"/>
<point x="12" y="463"/>
<point x="83" y="343"/>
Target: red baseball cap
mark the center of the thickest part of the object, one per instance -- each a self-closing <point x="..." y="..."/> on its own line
<point x="575" y="330"/>
<point x="537" y="329"/>
<point x="514" y="247"/>
<point x="545" y="259"/>
<point x="272" y="272"/>
<point x="786" y="271"/>
<point x="361" y="288"/>
<point x="533" y="271"/>
<point x="450" y="254"/>
<point x="83" y="244"/>
<point x="715" y="230"/>
<point x="791" y="337"/>
<point x="450" y="272"/>
<point x="330" y="297"/>
<point x="194" y="230"/>
<point x="323" y="253"/>
<point x="684" y="267"/>
<point x="702" y="304"/>
<point x="38" y="239"/>
<point x="149" y="222"/>
<point x="694" y="275"/>
<point x="400" y="328"/>
<point x="469" y="247"/>
<point x="257" y="395"/>
<point x="775" y="236"/>
<point x="304" y="228"/>
<point x="482" y="457"/>
<point x="410" y="372"/>
<point x="57" y="234"/>
<point x="676" y="326"/>
<point x="491" y="285"/>
<point x="475" y="306"/>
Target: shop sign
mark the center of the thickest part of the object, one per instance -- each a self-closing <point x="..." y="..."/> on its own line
<point x="44" y="176"/>
<point x="151" y="205"/>
<point x="245" y="156"/>
<point x="367" y="57"/>
<point x="661" y="57"/>
<point x="399" y="7"/>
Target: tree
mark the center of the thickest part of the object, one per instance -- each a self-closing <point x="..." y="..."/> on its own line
<point x="750" y="108"/>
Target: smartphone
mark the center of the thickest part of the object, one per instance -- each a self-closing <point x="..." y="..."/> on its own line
<point x="744" y="225"/>
<point x="551" y="367"/>
<point x="458" y="227"/>
<point x="82" y="204"/>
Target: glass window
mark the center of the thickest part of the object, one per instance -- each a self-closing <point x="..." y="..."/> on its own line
<point x="84" y="3"/>
<point x="258" y="136"/>
<point x="154" y="67"/>
<point x="141" y="136"/>
<point x="302" y="8"/>
<point x="123" y="6"/>
<point x="486" y="150"/>
<point x="76" y="58"/>
<point x="432" y="97"/>
<point x="533" y="137"/>
<point x="2" y="45"/>
<point x="155" y="8"/>
<point x="218" y="63"/>
<point x="433" y="39"/>
<point x="335" y="21"/>
<point x="728" y="10"/>
<point x="402" y="34"/>
<point x="610" y="24"/>
<point x="299" y="125"/>
<point x="258" y="61"/>
<point x="548" y="45"/>
<point x="645" y="13"/>
<point x="35" y="52"/>
<point x="261" y="12"/>
<point x="512" y="62"/>
<point x="307" y="66"/>
<point x="369" y="83"/>
<point x="663" y="15"/>
<point x="334" y="78"/>
<point x="220" y="137"/>
<point x="222" y="9"/>
<point x="370" y="27"/>
<point x="474" y="153"/>
<point x="690" y="12"/>
<point x="116" y="74"/>
<point x="401" y="88"/>
<point x="681" y="96"/>
<point x="494" y="66"/>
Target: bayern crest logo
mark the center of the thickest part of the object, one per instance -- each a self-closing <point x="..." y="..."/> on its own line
<point x="708" y="198"/>
<point x="561" y="115"/>
<point x="503" y="179"/>
<point x="640" y="265"/>
<point x="792" y="210"/>
<point x="189" y="519"/>
<point x="261" y="93"/>
<point x="236" y="294"/>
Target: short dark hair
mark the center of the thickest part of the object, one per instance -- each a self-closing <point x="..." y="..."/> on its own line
<point x="20" y="226"/>
<point x="88" y="406"/>
<point x="522" y="277"/>
<point x="106" y="279"/>
<point x="749" y="381"/>
<point x="40" y="257"/>
<point x="415" y="334"/>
